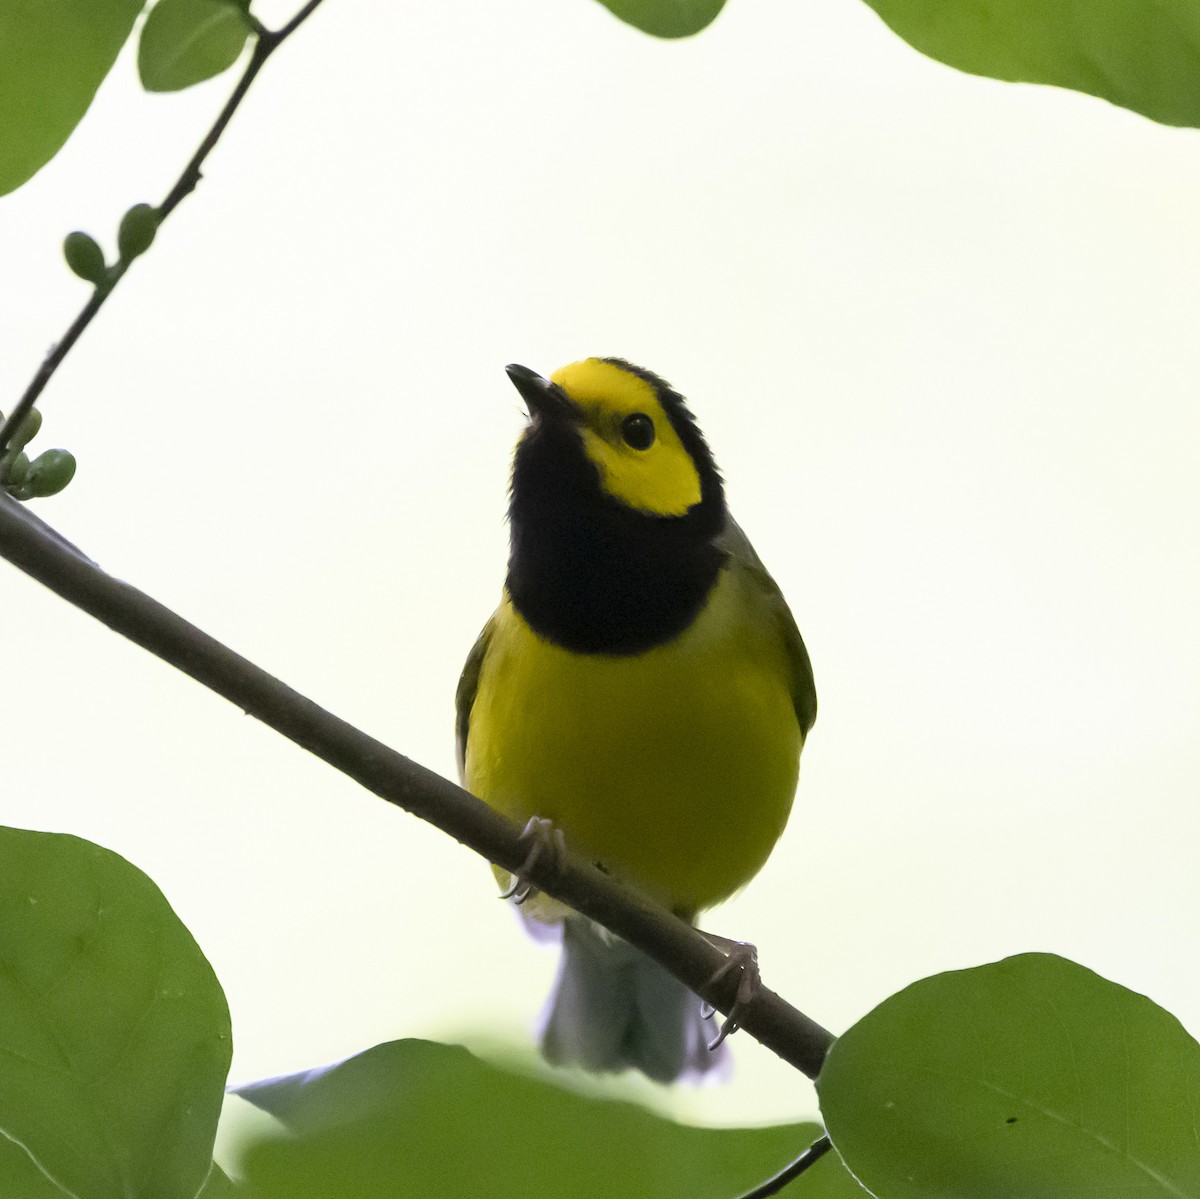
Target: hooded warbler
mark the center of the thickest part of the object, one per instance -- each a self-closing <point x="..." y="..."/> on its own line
<point x="642" y="686"/>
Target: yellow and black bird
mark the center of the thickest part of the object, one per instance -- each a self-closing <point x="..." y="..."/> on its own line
<point x="642" y="686"/>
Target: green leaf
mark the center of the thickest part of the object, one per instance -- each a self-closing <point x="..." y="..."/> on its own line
<point x="1143" y="56"/>
<point x="21" y="1179"/>
<point x="185" y="42"/>
<point x="666" y="18"/>
<point x="219" y="1186"/>
<point x="114" y="1033"/>
<point x="54" y="54"/>
<point x="1030" y="1077"/>
<point x="412" y="1118"/>
<point x="19" y="1176"/>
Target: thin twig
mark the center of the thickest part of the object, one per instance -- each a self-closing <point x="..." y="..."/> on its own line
<point x="190" y="175"/>
<point x="265" y="45"/>
<point x="52" y="360"/>
<point x="287" y="30"/>
<point x="26" y="542"/>
<point x="775" y="1184"/>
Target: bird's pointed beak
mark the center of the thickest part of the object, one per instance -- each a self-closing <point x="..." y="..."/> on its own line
<point x="541" y="397"/>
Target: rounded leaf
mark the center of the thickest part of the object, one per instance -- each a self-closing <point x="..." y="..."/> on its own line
<point x="84" y="256"/>
<point x="1142" y="56"/>
<point x="113" y="1029"/>
<point x="136" y="233"/>
<point x="53" y="56"/>
<point x="666" y="18"/>
<point x="1030" y="1077"/>
<point x="412" y="1119"/>
<point x="185" y="42"/>
<point x="50" y="472"/>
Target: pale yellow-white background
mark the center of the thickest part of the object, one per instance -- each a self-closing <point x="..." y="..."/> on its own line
<point x="941" y="332"/>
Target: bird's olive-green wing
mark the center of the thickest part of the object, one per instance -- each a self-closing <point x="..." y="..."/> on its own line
<point x="464" y="696"/>
<point x="804" y="691"/>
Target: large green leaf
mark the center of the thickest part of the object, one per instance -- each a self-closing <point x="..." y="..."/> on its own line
<point x="53" y="56"/>
<point x="184" y="42"/>
<point x="1031" y="1078"/>
<point x="114" y="1033"/>
<point x="1141" y="54"/>
<point x="219" y="1186"/>
<point x="666" y="18"/>
<point x="412" y="1118"/>
<point x="20" y="1176"/>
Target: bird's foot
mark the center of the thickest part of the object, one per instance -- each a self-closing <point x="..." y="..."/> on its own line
<point x="743" y="957"/>
<point x="546" y="839"/>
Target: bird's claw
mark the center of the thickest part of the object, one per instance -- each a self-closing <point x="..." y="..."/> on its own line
<point x="743" y="957"/>
<point x="545" y="837"/>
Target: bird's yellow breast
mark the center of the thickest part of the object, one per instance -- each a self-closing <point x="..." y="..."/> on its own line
<point x="674" y="768"/>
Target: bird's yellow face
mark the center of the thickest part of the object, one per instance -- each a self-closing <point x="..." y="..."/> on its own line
<point x="628" y="437"/>
<point x="615" y="508"/>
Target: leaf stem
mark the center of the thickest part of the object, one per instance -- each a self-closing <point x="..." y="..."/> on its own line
<point x="35" y="548"/>
<point x="190" y="175"/>
<point x="265" y="45"/>
<point x="295" y="23"/>
<point x="792" y="1171"/>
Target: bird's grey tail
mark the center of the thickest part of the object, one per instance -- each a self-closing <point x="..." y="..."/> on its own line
<point x="614" y="1007"/>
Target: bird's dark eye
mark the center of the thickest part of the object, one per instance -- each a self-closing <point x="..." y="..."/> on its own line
<point x="638" y="431"/>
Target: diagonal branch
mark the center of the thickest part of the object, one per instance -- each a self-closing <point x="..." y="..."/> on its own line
<point x="33" y="547"/>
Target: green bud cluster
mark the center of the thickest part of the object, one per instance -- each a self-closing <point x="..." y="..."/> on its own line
<point x="134" y="237"/>
<point x="45" y="475"/>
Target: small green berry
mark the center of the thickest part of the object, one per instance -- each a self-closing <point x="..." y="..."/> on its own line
<point x="14" y="468"/>
<point x="136" y="234"/>
<point x="26" y="431"/>
<point x="50" y="472"/>
<point x="84" y="257"/>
